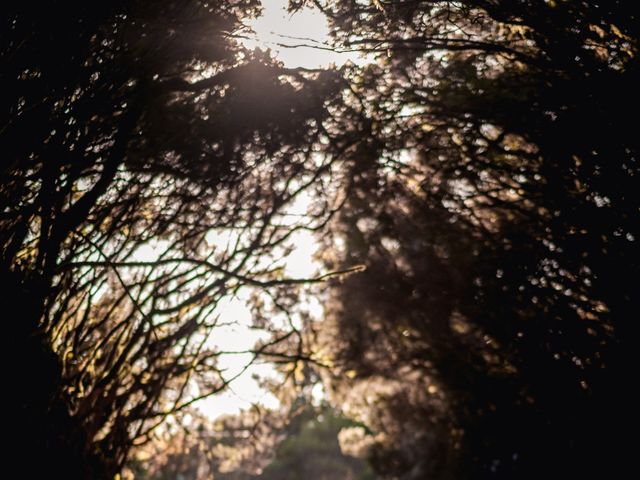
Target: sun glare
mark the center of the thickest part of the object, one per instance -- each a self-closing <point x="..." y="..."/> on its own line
<point x="298" y="40"/>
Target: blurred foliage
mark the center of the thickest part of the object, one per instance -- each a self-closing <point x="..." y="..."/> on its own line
<point x="474" y="184"/>
<point x="495" y="207"/>
<point x="150" y="161"/>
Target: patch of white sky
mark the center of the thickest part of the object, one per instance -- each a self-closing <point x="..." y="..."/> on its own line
<point x="291" y="37"/>
<point x="237" y="336"/>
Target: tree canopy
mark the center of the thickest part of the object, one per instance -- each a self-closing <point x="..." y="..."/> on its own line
<point x="496" y="214"/>
<point x="472" y="187"/>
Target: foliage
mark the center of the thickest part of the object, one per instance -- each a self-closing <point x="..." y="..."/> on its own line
<point x="481" y="168"/>
<point x="311" y="450"/>
<point x="494" y="210"/>
<point x="149" y="164"/>
<point x="303" y="444"/>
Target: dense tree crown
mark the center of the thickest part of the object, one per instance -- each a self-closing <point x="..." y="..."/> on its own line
<point x="472" y="188"/>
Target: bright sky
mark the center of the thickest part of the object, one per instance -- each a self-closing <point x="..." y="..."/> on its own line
<point x="306" y="27"/>
<point x="244" y="390"/>
<point x="237" y="336"/>
<point x="235" y="333"/>
<point x="274" y="27"/>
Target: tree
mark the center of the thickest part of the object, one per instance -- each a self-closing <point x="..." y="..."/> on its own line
<point x="481" y="170"/>
<point x="129" y="128"/>
<point x="493" y="208"/>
